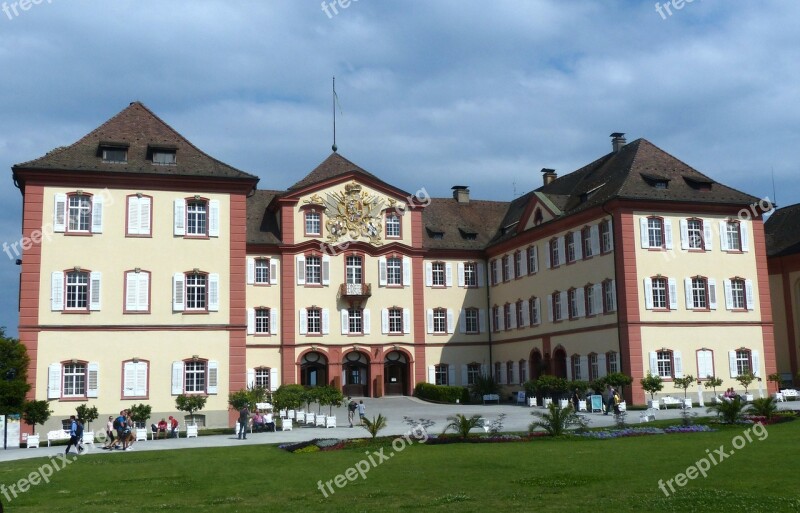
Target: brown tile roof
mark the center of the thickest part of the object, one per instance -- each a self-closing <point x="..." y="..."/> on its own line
<point x="262" y="224"/>
<point x="456" y="221"/>
<point x="331" y="167"/>
<point x="140" y="130"/>
<point x="782" y="231"/>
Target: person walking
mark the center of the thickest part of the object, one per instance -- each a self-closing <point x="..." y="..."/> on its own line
<point x="609" y="398"/>
<point x="362" y="411"/>
<point x="73" y="435"/>
<point x="244" y="417"/>
<point x="352" y="406"/>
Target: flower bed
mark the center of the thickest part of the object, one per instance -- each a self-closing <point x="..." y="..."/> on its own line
<point x="643" y="431"/>
<point x="318" y="444"/>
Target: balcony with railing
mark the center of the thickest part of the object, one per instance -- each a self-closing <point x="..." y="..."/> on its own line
<point x="355" y="290"/>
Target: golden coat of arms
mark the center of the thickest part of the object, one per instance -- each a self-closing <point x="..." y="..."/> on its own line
<point x="354" y="213"/>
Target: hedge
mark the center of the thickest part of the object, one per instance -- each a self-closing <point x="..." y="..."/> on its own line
<point x="441" y="393"/>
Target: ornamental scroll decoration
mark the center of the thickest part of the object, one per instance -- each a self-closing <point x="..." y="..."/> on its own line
<point x="352" y="212"/>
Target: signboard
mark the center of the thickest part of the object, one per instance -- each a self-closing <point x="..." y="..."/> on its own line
<point x="3" y="429"/>
<point x="521" y="397"/>
<point x="12" y="429"/>
<point x="597" y="403"/>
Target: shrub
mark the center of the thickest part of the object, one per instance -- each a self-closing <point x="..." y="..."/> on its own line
<point x="86" y="415"/>
<point x="713" y="382"/>
<point x="556" y="420"/>
<point x="463" y="425"/>
<point x="141" y="412"/>
<point x="729" y="410"/>
<point x="375" y="425"/>
<point x="484" y="385"/>
<point x="441" y="393"/>
<point x="745" y="380"/>
<point x="289" y="397"/>
<point x="618" y="380"/>
<point x="651" y="384"/>
<point x="763" y="407"/>
<point x="189" y="404"/>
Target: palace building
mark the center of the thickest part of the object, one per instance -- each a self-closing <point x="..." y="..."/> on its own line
<point x="156" y="270"/>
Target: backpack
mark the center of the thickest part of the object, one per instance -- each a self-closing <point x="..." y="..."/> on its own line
<point x="79" y="430"/>
<point x="352" y="406"/>
<point x="118" y="424"/>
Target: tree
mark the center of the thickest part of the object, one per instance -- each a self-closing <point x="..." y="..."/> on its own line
<point x="86" y="415"/>
<point x="35" y="412"/>
<point x="745" y="380"/>
<point x="141" y="412"/>
<point x="776" y="378"/>
<point x="14" y="385"/>
<point x="618" y="380"/>
<point x="190" y="403"/>
<point x="684" y="383"/>
<point x="713" y="382"/>
<point x="462" y="425"/>
<point x="249" y="397"/>
<point x="651" y="384"/>
<point x="289" y="397"/>
<point x="329" y="396"/>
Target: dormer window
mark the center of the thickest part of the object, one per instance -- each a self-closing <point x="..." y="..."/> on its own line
<point x="435" y="234"/>
<point x="656" y="181"/>
<point x="114" y="153"/>
<point x="468" y="235"/>
<point x="162" y="155"/>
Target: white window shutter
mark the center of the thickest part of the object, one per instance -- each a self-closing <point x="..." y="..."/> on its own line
<point x="584" y="365"/>
<point x="251" y="321"/>
<point x="723" y="235"/>
<point x="594" y="239"/>
<point x="687" y="289"/>
<point x="97" y="214"/>
<point x="141" y="379"/>
<point x="523" y="262"/>
<point x="678" y="361"/>
<point x="131" y="291"/>
<point x="326" y="321"/>
<point x="610" y="235"/>
<point x="178" y="292"/>
<point x="345" y="321"/>
<point x="179" y="217"/>
<point x="707" y="236"/>
<point x="576" y="241"/>
<point x="673" y="294"/>
<point x="213" y="292"/>
<point x="745" y="236"/>
<point x="384" y="320"/>
<point x="756" y="358"/>
<point x="510" y="260"/>
<point x="54" y="381"/>
<point x="580" y="297"/>
<point x="406" y="320"/>
<point x="451" y="375"/>
<point x="503" y="378"/>
<point x="705" y="364"/>
<point x="601" y="365"/>
<point x="428" y="274"/>
<point x="366" y="320"/>
<point x="95" y="288"/>
<point x="326" y="270"/>
<point x="668" y="233"/>
<point x="300" y="267"/>
<point x="382" y="271"/>
<point x="562" y="254"/>
<point x="406" y="272"/>
<point x="550" y="307"/>
<point x="430" y="321"/>
<point x="60" y="216"/>
<point x="213" y="377"/>
<point x="450" y="321"/>
<point x="598" y="298"/>
<point x="547" y="255"/>
<point x="462" y="321"/>
<point x="251" y="378"/>
<point x="748" y="294"/>
<point x="145" y="206"/>
<point x="460" y="270"/>
<point x="648" y="293"/>
<point x="129" y="379"/>
<point x="712" y="293"/>
<point x="732" y="364"/>
<point x="274" y="321"/>
<point x="728" y="294"/>
<point x="303" y="319"/>
<point x="526" y="313"/>
<point x="57" y="291"/>
<point x="251" y="270"/>
<point x="134" y="215"/>
<point x="93" y="379"/>
<point x="432" y="374"/>
<point x="274" y="269"/>
<point x="512" y="321"/>
<point x="481" y="274"/>
<point x="502" y="316"/>
<point x="177" y="378"/>
<point x="684" y="226"/>
<point x="213" y="218"/>
<point x="569" y="368"/>
<point x="538" y="319"/>
<point x="448" y="274"/>
<point x="562" y="298"/>
<point x="497" y="272"/>
<point x="653" y="363"/>
<point x="463" y="376"/>
<point x="643" y="232"/>
<point x="273" y="379"/>
<point x="535" y="261"/>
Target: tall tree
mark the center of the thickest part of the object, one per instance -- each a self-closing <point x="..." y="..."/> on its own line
<point x="13" y="374"/>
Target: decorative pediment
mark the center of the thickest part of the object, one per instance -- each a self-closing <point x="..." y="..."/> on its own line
<point x="353" y="212"/>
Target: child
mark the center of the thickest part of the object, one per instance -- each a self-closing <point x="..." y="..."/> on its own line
<point x="362" y="410"/>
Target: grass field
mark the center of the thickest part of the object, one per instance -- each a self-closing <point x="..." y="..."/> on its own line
<point x="543" y="475"/>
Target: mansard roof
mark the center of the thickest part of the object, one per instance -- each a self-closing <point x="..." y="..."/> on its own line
<point x="782" y="231"/>
<point x="333" y="166"/>
<point x="262" y="222"/>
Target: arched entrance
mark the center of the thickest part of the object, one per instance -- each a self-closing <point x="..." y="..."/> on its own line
<point x="395" y="373"/>
<point x="355" y="368"/>
<point x="560" y="363"/>
<point x="314" y="369"/>
<point x="537" y="365"/>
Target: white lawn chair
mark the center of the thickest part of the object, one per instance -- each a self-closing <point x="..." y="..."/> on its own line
<point x="33" y="441"/>
<point x="330" y="422"/>
<point x="290" y="414"/>
<point x="141" y="434"/>
<point x="88" y="438"/>
<point x="320" y="421"/>
<point x="284" y="413"/>
<point x="191" y="431"/>
<point x="286" y="425"/>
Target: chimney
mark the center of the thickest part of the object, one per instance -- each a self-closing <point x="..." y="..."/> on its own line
<point x="549" y="175"/>
<point x="461" y="193"/>
<point x="617" y="141"/>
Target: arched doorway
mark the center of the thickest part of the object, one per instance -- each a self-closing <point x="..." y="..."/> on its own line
<point x="560" y="363"/>
<point x="314" y="369"/>
<point x="395" y="373"/>
<point x="537" y="365"/>
<point x="355" y="368"/>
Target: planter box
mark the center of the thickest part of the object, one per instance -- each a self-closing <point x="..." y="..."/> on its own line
<point x="653" y="403"/>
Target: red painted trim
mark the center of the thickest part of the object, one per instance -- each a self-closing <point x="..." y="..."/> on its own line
<point x="137" y="327"/>
<point x="30" y="274"/>
<point x="288" y="319"/>
<point x="416" y="237"/>
<point x="630" y="332"/>
<point x="768" y="328"/>
<point x="237" y="306"/>
<point x="418" y="329"/>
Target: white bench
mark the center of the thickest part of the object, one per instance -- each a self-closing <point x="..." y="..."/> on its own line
<point x="141" y="434"/>
<point x="33" y="442"/>
<point x="491" y="397"/>
<point x="57" y="436"/>
<point x="666" y="402"/>
<point x="789" y="394"/>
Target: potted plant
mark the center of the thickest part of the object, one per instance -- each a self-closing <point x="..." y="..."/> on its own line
<point x="713" y="382"/>
<point x="652" y="384"/>
<point x="745" y="380"/>
<point x="684" y="383"/>
<point x="776" y="378"/>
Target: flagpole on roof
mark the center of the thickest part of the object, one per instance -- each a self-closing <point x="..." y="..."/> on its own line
<point x="334" y="115"/>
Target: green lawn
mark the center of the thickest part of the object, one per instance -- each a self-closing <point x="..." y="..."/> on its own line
<point x="543" y="475"/>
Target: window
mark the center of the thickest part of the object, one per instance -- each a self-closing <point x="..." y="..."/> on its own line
<point x="570" y="247"/>
<point x="354" y="270"/>
<point x="493" y="266"/>
<point x="519" y="314"/>
<point x="195" y="377"/>
<point x="556" y="307"/>
<point x="313" y="270"/>
<point x="470" y="274"/>
<point x="79" y="213"/>
<point x="497" y="369"/>
<point x="576" y="367"/>
<point x="441" y="373"/>
<point x="392" y="226"/>
<point x="664" y="363"/>
<point x="699" y="293"/>
<point x="314" y="321"/>
<point x="196" y="298"/>
<point x="439" y="320"/>
<point x="196" y="217"/>
<point x="591" y="300"/>
<point x="533" y="260"/>
<point x="594" y="368"/>
<point x="609" y="296"/>
<point x="115" y="155"/>
<point x="509" y="372"/>
<point x="554" y="253"/>
<point x="518" y="264"/>
<point x="606" y="239"/>
<point x="135" y="378"/>
<point x="523" y="372"/>
<point x="77" y="290"/>
<point x="438" y="274"/>
<point x="137" y="291"/>
<point x="507" y="316"/>
<point x="164" y="157"/>
<point x="313" y="222"/>
<point x="572" y="301"/>
<point x="586" y="241"/>
<point x="473" y="373"/>
<point x="743" y="362"/>
<point x="496" y="318"/>
<point x="262" y="271"/>
<point x="394" y="271"/>
<point x="506" y="268"/>
<point x="738" y="296"/>
<point x="355" y="320"/>
<point x="660" y="293"/>
<point x="395" y="320"/>
<point x="612" y="362"/>
<point x="74" y="380"/>
<point x="262" y="321"/>
<point x="533" y="304"/>
<point x="139" y="219"/>
<point x="471" y="320"/>
<point x="733" y="236"/>
<point x="694" y="229"/>
<point x="262" y="378"/>
<point x="655" y="232"/>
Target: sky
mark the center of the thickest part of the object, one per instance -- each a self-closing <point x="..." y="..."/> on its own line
<point x="432" y="93"/>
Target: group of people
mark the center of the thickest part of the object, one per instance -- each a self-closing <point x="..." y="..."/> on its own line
<point x="261" y="421"/>
<point x="611" y="400"/>
<point x="120" y="430"/>
<point x="352" y="408"/>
